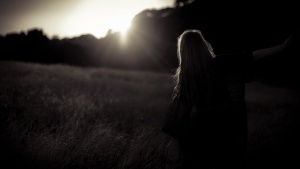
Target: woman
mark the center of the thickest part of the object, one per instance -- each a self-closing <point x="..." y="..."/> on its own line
<point x="207" y="116"/>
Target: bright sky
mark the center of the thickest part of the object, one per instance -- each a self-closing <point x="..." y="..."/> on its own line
<point x="68" y="18"/>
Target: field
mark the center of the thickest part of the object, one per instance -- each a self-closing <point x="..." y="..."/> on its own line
<point x="59" y="116"/>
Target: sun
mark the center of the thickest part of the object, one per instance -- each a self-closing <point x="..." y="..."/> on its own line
<point x="122" y="26"/>
<point x="97" y="20"/>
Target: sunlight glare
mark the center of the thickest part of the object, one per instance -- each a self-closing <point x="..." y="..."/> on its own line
<point x="95" y="18"/>
<point x="122" y="26"/>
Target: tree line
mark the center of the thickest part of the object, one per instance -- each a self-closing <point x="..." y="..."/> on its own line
<point x="151" y="42"/>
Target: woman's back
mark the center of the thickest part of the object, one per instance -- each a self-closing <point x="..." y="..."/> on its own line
<point x="218" y="129"/>
<point x="207" y="113"/>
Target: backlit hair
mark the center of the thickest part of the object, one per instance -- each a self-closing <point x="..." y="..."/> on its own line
<point x="195" y="56"/>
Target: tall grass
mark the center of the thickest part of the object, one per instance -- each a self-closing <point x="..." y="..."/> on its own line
<point x="273" y="126"/>
<point x="66" y="117"/>
<point x="58" y="116"/>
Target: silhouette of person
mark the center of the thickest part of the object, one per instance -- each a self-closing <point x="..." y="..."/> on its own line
<point x="207" y="116"/>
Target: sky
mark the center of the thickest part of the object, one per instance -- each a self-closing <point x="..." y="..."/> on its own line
<point x="69" y="18"/>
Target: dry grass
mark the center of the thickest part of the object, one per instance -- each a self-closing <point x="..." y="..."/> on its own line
<point x="60" y="116"/>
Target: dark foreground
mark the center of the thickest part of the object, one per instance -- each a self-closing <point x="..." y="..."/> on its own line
<point x="66" y="117"/>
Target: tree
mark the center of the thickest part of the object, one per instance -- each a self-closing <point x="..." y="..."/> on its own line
<point x="183" y="2"/>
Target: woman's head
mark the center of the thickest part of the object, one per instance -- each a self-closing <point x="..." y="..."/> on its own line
<point x="193" y="51"/>
<point x="194" y="55"/>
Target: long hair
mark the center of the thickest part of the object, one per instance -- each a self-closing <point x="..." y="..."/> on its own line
<point x="194" y="84"/>
<point x="193" y="75"/>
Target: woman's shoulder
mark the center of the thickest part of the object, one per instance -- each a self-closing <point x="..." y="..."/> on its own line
<point x="233" y="57"/>
<point x="238" y="62"/>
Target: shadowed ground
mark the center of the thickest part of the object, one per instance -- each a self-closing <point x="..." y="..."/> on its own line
<point x="56" y="116"/>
